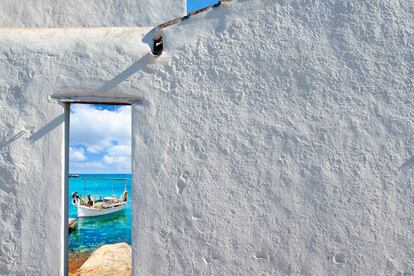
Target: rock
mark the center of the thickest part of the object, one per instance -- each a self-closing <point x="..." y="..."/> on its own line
<point x="109" y="259"/>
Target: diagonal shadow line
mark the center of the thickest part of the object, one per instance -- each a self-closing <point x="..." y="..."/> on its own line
<point x="145" y="60"/>
<point x="47" y="128"/>
<point x="12" y="139"/>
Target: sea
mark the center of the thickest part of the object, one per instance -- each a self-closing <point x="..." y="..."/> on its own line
<point x="92" y="233"/>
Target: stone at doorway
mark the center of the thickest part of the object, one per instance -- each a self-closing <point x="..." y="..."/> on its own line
<point x="109" y="259"/>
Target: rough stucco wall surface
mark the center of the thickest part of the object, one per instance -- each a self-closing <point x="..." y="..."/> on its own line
<point x="34" y="65"/>
<point x="274" y="138"/>
<point x="88" y="13"/>
<point x="279" y="139"/>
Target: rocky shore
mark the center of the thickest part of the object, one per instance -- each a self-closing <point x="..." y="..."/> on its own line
<point x="109" y="259"/>
<point x="76" y="260"/>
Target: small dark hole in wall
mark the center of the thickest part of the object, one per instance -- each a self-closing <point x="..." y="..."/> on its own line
<point x="158" y="46"/>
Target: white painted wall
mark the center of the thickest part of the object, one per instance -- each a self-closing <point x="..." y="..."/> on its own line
<point x="35" y="65"/>
<point x="272" y="138"/>
<point x="88" y="13"/>
<point x="278" y="140"/>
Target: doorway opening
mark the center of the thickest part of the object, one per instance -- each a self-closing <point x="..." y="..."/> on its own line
<point x="98" y="188"/>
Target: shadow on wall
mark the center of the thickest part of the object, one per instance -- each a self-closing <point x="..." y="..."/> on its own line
<point x="135" y="67"/>
<point x="12" y="139"/>
<point x="47" y="128"/>
<point x="108" y="86"/>
<point x="38" y="134"/>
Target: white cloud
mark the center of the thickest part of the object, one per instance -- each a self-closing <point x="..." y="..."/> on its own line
<point x="98" y="129"/>
<point x="119" y="156"/>
<point x="94" y="149"/>
<point x="120" y="150"/>
<point x="106" y="136"/>
<point x="115" y="159"/>
<point x="76" y="154"/>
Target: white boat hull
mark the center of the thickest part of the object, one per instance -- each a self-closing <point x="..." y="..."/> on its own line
<point x="84" y="211"/>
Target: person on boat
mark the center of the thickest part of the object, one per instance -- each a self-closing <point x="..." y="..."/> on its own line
<point x="90" y="201"/>
<point x="75" y="198"/>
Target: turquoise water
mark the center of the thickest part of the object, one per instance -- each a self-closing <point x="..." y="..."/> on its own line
<point x="91" y="233"/>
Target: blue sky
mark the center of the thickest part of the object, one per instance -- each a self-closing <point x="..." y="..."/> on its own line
<point x="100" y="139"/>
<point x="193" y="5"/>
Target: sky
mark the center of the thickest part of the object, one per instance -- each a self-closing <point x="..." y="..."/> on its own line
<point x="100" y="139"/>
<point x="193" y="5"/>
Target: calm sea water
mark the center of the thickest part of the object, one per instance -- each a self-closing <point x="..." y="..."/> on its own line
<point x="91" y="233"/>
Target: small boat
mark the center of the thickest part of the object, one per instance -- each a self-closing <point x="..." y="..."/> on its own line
<point x="74" y="176"/>
<point x="72" y="224"/>
<point x="89" y="207"/>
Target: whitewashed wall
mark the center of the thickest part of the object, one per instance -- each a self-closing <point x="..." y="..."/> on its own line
<point x="271" y="138"/>
<point x="88" y="13"/>
<point x="278" y="139"/>
<point x="35" y="65"/>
